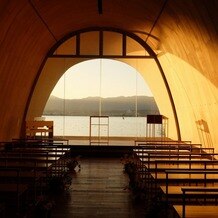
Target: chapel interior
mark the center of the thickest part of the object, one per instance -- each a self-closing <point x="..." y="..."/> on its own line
<point x="173" y="45"/>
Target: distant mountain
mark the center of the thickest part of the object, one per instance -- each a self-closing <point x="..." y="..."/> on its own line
<point x="116" y="106"/>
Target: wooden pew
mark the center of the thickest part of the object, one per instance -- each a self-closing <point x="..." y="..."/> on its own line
<point x="170" y="150"/>
<point x="147" y="142"/>
<point x="153" y="167"/>
<point x="145" y="155"/>
<point x="33" y="143"/>
<point x="163" y="152"/>
<point x="33" y="161"/>
<point x="150" y="156"/>
<point x="172" y="188"/>
<point x="40" y="160"/>
<point x="174" y="146"/>
<point x="162" y="164"/>
<point x="155" y="160"/>
<point x="153" y="164"/>
<point x="50" y="155"/>
<point x="42" y="140"/>
<point x="198" y="210"/>
<point x="150" y="162"/>
<point x="40" y="165"/>
<point x="31" y="177"/>
<point x="14" y="189"/>
<point x="33" y="148"/>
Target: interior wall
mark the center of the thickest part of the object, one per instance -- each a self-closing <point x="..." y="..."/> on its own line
<point x="188" y="45"/>
<point x="21" y="55"/>
<point x="195" y="98"/>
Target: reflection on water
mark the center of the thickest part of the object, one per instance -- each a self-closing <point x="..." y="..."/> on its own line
<point x="118" y="126"/>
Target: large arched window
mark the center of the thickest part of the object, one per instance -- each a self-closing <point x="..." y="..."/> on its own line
<point x="103" y="43"/>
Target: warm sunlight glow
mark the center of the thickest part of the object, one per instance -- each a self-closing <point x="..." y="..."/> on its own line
<point x="100" y="77"/>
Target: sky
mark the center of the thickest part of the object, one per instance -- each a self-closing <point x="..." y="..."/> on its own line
<point x="100" y="78"/>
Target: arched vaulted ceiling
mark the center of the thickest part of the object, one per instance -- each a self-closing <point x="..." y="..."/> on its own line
<point x="183" y="34"/>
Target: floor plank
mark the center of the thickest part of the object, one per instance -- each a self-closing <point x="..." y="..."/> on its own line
<point x="98" y="190"/>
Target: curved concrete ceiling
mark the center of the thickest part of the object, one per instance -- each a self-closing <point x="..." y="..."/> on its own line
<point x="182" y="32"/>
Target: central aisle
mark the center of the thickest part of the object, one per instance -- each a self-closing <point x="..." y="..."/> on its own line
<point x="99" y="189"/>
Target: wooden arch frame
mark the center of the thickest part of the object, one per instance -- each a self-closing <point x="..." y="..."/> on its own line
<point x="101" y="54"/>
<point x="125" y="34"/>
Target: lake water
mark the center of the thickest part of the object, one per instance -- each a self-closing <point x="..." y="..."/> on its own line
<point x="118" y="126"/>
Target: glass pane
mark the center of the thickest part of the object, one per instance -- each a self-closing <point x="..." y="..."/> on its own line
<point x="89" y="43"/>
<point x="112" y="43"/>
<point x="67" y="48"/>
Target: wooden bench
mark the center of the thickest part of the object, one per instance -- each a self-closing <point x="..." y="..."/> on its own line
<point x="153" y="164"/>
<point x="33" y="154"/>
<point x="162" y="142"/>
<point x="175" y="155"/>
<point x="160" y="162"/>
<point x="12" y="189"/>
<point x="154" y="167"/>
<point x="37" y="161"/>
<point x="198" y="211"/>
<point x="144" y="152"/>
<point x="202" y="177"/>
<point x="188" y="166"/>
<point x="145" y="157"/>
<point x="29" y="143"/>
<point x="30" y="165"/>
<point x="41" y="140"/>
<point x="51" y="155"/>
<point x="162" y="165"/>
<point x="175" y="146"/>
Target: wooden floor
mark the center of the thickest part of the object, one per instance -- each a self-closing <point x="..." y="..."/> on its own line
<point x="99" y="189"/>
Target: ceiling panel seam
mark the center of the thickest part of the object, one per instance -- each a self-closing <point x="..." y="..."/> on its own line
<point x="43" y="21"/>
<point x="156" y="20"/>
